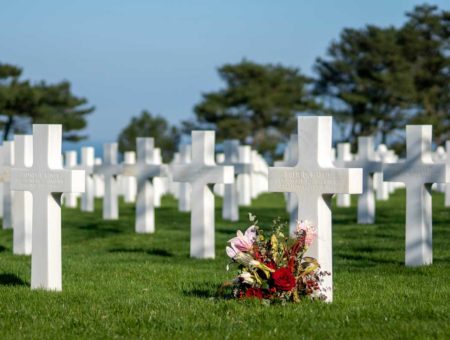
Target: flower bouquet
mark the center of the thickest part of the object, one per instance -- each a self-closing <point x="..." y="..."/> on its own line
<point x="274" y="267"/>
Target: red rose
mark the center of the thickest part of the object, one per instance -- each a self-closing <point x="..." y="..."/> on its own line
<point x="283" y="279"/>
<point x="254" y="292"/>
<point x="271" y="265"/>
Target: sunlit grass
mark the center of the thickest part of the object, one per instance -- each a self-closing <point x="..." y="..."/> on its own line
<point x="120" y="284"/>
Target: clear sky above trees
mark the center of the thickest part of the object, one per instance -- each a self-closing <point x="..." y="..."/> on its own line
<point x="161" y="55"/>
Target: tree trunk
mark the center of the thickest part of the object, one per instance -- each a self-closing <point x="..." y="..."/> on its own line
<point x="8" y="127"/>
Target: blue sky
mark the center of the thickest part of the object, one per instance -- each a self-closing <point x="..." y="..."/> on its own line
<point x="125" y="56"/>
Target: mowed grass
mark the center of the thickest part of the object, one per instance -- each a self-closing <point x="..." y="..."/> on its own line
<point x="118" y="284"/>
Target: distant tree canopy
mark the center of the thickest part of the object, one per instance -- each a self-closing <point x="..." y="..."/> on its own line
<point x="166" y="136"/>
<point x="377" y="80"/>
<point x="258" y="104"/>
<point x="23" y="103"/>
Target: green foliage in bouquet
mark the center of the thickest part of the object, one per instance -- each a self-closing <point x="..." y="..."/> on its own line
<point x="273" y="267"/>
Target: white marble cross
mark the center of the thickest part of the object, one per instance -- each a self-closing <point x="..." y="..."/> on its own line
<point x="382" y="187"/>
<point x="129" y="182"/>
<point x="70" y="200"/>
<point x="439" y="156"/>
<point x="219" y="188"/>
<point x="110" y="169"/>
<point x="99" y="181"/>
<point x="144" y="170"/>
<point x="7" y="161"/>
<point x="259" y="174"/>
<point x="344" y="154"/>
<point x="366" y="159"/>
<point x="418" y="172"/>
<point x="290" y="160"/>
<point x="199" y="173"/>
<point x="230" y="206"/>
<point x="87" y="164"/>
<point x="447" y="185"/>
<point x="22" y="216"/>
<point x="314" y="179"/>
<point x="46" y="180"/>
<point x="160" y="184"/>
<point x="244" y="169"/>
<point x="184" y="200"/>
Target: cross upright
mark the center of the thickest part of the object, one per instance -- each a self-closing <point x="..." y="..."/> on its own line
<point x="129" y="183"/>
<point x="144" y="170"/>
<point x="6" y="162"/>
<point x="382" y="188"/>
<point x="230" y="207"/>
<point x="22" y="200"/>
<point x="244" y="169"/>
<point x="291" y="159"/>
<point x="447" y="185"/>
<point x="47" y="181"/>
<point x="70" y="200"/>
<point x="184" y="200"/>
<point x="367" y="160"/>
<point x="314" y="180"/>
<point x="344" y="154"/>
<point x="110" y="169"/>
<point x="232" y="196"/>
<point x="418" y="172"/>
<point x="87" y="164"/>
<point x="199" y="173"/>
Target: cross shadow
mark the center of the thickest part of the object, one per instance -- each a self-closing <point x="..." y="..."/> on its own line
<point x="154" y="252"/>
<point x="8" y="279"/>
<point x="203" y="293"/>
<point x="365" y="260"/>
<point x="226" y="231"/>
<point x="99" y="230"/>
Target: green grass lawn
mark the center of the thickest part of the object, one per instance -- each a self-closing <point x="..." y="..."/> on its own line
<point x="117" y="284"/>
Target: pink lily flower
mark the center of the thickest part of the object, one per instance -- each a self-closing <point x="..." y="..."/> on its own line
<point x="244" y="242"/>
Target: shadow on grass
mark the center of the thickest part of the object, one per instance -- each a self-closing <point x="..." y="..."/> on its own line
<point x="99" y="230"/>
<point x="366" y="260"/>
<point x="154" y="252"/>
<point x="2" y="249"/>
<point x="8" y="279"/>
<point x="200" y="293"/>
<point x="226" y="231"/>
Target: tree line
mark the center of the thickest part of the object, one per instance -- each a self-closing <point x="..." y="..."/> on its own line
<point x="373" y="81"/>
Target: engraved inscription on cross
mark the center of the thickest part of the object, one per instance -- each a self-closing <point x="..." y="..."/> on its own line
<point x="144" y="170"/>
<point x="314" y="180"/>
<point x="418" y="172"/>
<point x="47" y="181"/>
<point x="199" y="173"/>
<point x="110" y="169"/>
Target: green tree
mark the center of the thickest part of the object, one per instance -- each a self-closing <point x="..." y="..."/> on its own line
<point x="23" y="103"/>
<point x="258" y="104"/>
<point x="425" y="38"/>
<point x="366" y="82"/>
<point x="166" y="136"/>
